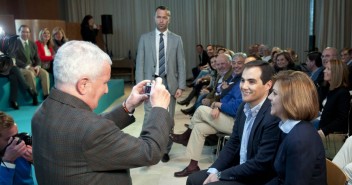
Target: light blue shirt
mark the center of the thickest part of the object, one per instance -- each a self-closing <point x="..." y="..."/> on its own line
<point x="251" y="114"/>
<point x="288" y="125"/>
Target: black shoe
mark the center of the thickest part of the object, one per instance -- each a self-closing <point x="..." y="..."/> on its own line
<point x="35" y="100"/>
<point x="14" y="105"/>
<point x="184" y="102"/>
<point x="45" y="96"/>
<point x="190" y="85"/>
<point x="189" y="111"/>
<point x="165" y="158"/>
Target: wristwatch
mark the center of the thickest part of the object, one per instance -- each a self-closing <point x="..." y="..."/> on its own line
<point x="218" y="175"/>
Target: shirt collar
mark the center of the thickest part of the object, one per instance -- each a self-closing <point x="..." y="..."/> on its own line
<point x="157" y="32"/>
<point x="287" y="126"/>
<point x="253" y="111"/>
<point x="23" y="41"/>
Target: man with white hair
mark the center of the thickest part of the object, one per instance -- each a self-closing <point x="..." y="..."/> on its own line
<point x="328" y="54"/>
<point x="73" y="145"/>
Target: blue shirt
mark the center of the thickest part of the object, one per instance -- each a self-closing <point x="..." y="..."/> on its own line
<point x="251" y="114"/>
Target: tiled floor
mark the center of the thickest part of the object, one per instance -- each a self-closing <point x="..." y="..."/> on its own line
<point x="163" y="173"/>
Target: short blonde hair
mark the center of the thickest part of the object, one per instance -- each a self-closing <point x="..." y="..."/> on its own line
<point x="339" y="74"/>
<point x="6" y="121"/>
<point x="299" y="96"/>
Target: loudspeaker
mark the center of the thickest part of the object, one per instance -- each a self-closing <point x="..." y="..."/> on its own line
<point x="106" y="23"/>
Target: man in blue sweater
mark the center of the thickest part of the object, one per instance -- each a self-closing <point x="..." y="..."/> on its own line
<point x="219" y="117"/>
<point x="16" y="156"/>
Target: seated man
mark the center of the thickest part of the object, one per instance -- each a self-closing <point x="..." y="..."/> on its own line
<point x="29" y="63"/>
<point x="247" y="158"/>
<point x="16" y="156"/>
<point x="210" y="120"/>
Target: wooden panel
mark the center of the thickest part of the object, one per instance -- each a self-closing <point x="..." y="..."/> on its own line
<point x="7" y="22"/>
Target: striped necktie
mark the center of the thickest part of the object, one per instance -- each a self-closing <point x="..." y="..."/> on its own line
<point x="161" y="56"/>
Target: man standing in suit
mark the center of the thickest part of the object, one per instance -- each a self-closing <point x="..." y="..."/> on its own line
<point x="29" y="63"/>
<point x="247" y="157"/>
<point x="74" y="146"/>
<point x="160" y="54"/>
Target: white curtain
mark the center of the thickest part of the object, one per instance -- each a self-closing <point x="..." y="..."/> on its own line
<point x="234" y="24"/>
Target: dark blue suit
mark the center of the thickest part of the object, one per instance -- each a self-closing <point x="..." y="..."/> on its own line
<point x="301" y="157"/>
<point x="262" y="146"/>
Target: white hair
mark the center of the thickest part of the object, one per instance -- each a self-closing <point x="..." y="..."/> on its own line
<point x="76" y="59"/>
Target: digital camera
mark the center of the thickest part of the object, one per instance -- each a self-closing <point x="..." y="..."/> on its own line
<point x="24" y="137"/>
<point x="147" y="88"/>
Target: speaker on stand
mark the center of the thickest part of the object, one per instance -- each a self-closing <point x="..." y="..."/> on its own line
<point x="106" y="21"/>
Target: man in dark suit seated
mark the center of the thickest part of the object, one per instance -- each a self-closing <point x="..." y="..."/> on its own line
<point x="29" y="63"/>
<point x="247" y="157"/>
<point x="73" y="145"/>
<point x="203" y="61"/>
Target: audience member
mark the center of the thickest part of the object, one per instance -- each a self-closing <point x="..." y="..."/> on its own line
<point x="346" y="56"/>
<point x="89" y="30"/>
<point x="329" y="53"/>
<point x="300" y="158"/>
<point x="264" y="52"/>
<point x="210" y="50"/>
<point x="73" y="145"/>
<point x="16" y="156"/>
<point x="219" y="117"/>
<point x="343" y="159"/>
<point x="29" y="63"/>
<point x="203" y="61"/>
<point x="335" y="103"/>
<point x="9" y="70"/>
<point x="154" y="60"/>
<point x="315" y="67"/>
<point x="248" y="155"/>
<point x="224" y="75"/>
<point x="284" y="61"/>
<point x="58" y="37"/>
<point x="204" y="90"/>
<point x="45" y="49"/>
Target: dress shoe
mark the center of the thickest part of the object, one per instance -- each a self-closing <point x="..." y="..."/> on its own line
<point x="185" y="172"/>
<point x="35" y="100"/>
<point x="14" y="105"/>
<point x="183" y="102"/>
<point x="45" y="96"/>
<point x="190" y="85"/>
<point x="165" y="158"/>
<point x="181" y="138"/>
<point x="188" y="111"/>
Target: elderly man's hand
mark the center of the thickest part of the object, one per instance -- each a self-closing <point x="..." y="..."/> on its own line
<point x="159" y="95"/>
<point x="137" y="95"/>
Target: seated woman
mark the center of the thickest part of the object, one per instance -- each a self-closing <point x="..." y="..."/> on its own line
<point x="300" y="158"/>
<point x="45" y="49"/>
<point x="58" y="37"/>
<point x="343" y="158"/>
<point x="335" y="103"/>
<point x="284" y="61"/>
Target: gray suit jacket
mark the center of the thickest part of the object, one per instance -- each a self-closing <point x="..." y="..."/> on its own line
<point x="175" y="60"/>
<point x="21" y="60"/>
<point x="73" y="145"/>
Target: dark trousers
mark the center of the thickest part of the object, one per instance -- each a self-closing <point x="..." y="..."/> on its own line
<point x="16" y="79"/>
<point x="199" y="177"/>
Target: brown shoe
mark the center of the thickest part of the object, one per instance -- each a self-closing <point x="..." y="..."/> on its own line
<point x="181" y="138"/>
<point x="185" y="172"/>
